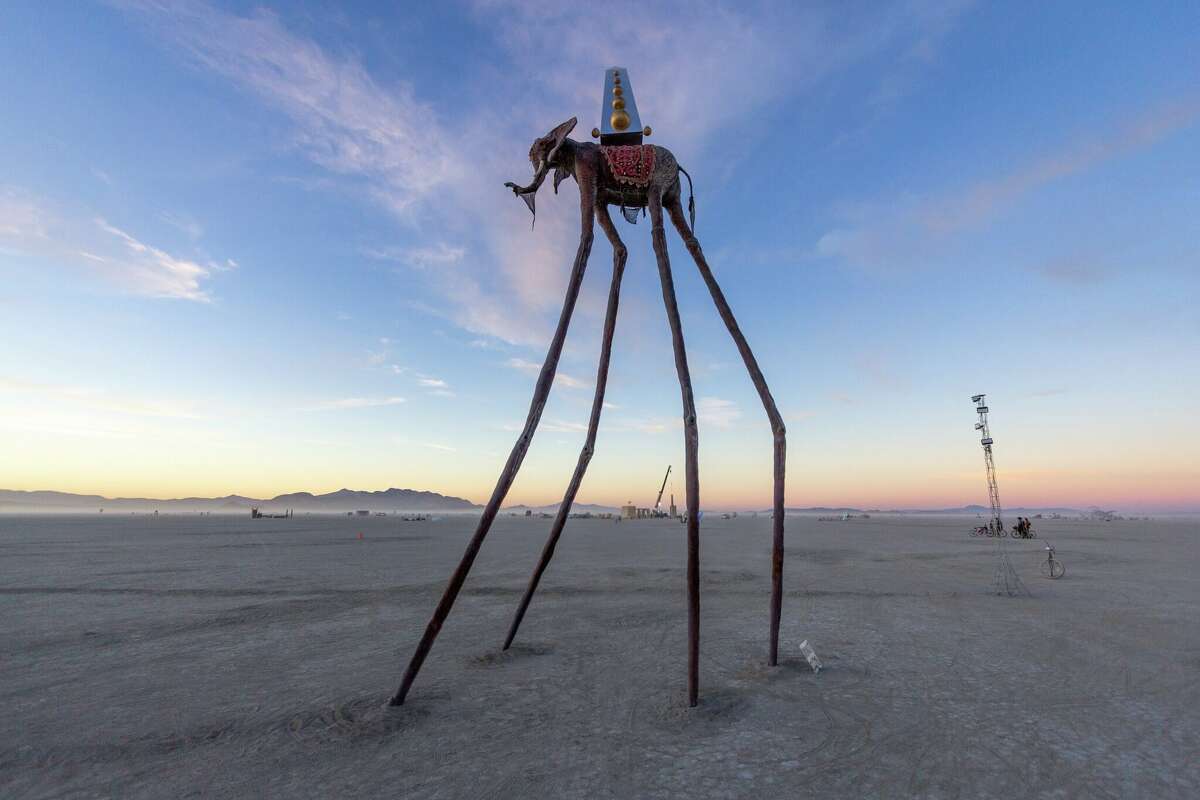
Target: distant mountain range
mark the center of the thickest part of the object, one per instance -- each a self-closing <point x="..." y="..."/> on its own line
<point x="340" y="501"/>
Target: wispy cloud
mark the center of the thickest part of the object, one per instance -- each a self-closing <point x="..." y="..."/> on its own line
<point x="156" y="272"/>
<point x="183" y="222"/>
<point x="524" y="365"/>
<point x="94" y="399"/>
<point x="562" y="426"/>
<point x="532" y="368"/>
<point x="347" y="403"/>
<point x="427" y="161"/>
<point x="29" y="225"/>
<point x="22" y="218"/>
<point x="345" y="121"/>
<point x="551" y="425"/>
<point x="440" y="254"/>
<point x="609" y="424"/>
<point x="909" y="228"/>
<point x="717" y="412"/>
<point x="984" y="200"/>
<point x="434" y="386"/>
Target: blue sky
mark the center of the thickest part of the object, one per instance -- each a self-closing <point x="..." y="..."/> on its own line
<point x="252" y="249"/>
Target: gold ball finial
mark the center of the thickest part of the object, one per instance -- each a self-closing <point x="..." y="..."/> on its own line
<point x="618" y="91"/>
<point x="595" y="133"/>
<point x="646" y="131"/>
<point x="619" y="120"/>
<point x="618" y="104"/>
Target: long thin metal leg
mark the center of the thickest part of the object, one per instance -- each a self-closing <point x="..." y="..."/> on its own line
<point x="691" y="439"/>
<point x="675" y="207"/>
<point x="585" y="456"/>
<point x="540" y="393"/>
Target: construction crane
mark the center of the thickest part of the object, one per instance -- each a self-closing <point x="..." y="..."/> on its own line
<point x="658" y="500"/>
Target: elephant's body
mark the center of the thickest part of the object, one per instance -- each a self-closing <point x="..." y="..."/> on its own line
<point x="664" y="180"/>
<point x="597" y="185"/>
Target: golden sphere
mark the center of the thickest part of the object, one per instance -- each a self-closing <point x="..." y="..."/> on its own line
<point x="619" y="120"/>
<point x="646" y="131"/>
<point x="595" y="133"/>
<point x="618" y="91"/>
<point x="618" y="104"/>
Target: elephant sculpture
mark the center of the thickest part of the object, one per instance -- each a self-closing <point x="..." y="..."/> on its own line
<point x="638" y="177"/>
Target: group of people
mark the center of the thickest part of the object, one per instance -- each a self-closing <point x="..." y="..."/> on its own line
<point x="1023" y="528"/>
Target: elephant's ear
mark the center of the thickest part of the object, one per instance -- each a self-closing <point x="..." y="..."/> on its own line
<point x="559" y="135"/>
<point x="560" y="175"/>
<point x="530" y="200"/>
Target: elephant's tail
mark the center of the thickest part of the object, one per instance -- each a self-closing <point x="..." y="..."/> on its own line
<point x="691" y="202"/>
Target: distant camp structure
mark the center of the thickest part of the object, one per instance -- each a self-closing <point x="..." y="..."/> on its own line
<point x="631" y="511"/>
<point x="256" y="514"/>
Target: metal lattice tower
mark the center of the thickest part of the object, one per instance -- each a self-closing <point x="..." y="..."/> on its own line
<point x="986" y="440"/>
<point x="1005" y="580"/>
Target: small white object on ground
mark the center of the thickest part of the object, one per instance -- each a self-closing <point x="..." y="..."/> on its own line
<point x="810" y="655"/>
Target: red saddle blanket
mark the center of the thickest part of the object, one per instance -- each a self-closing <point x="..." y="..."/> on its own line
<point x="630" y="163"/>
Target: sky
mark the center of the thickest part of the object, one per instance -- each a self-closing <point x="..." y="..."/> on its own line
<point x="258" y="249"/>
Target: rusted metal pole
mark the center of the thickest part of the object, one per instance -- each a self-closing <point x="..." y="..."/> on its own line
<point x="587" y="193"/>
<point x="675" y="207"/>
<point x="691" y="439"/>
<point x="585" y="456"/>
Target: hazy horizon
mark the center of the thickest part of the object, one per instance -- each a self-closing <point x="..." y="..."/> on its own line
<point x="640" y="501"/>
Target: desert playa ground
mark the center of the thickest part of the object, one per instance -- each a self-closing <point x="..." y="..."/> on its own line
<point x="228" y="657"/>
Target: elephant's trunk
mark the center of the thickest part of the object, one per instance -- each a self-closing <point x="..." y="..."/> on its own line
<point x="528" y="193"/>
<point x="535" y="184"/>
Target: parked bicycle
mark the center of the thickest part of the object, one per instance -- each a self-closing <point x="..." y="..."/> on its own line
<point x="1052" y="567"/>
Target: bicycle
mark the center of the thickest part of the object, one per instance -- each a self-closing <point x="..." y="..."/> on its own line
<point x="1052" y="568"/>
